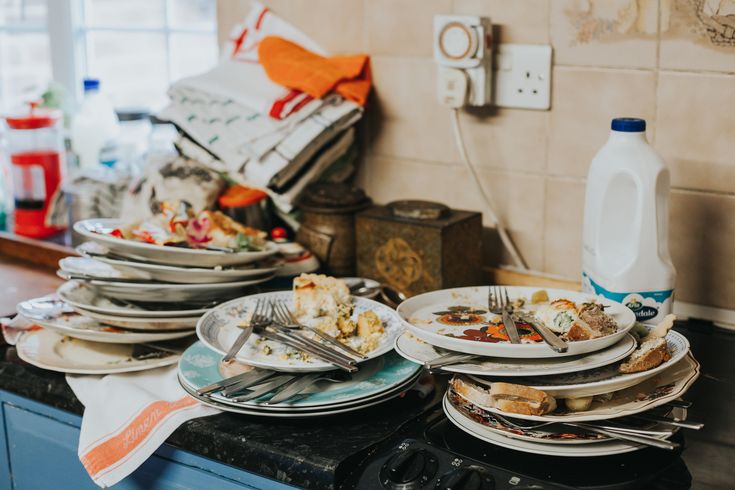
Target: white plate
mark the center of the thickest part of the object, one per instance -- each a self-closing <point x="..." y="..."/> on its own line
<point x="163" y="273"/>
<point x="50" y="350"/>
<point x="218" y="329"/>
<point x="650" y="393"/>
<point x="475" y="429"/>
<point x="598" y="381"/>
<point x="173" y="293"/>
<point x="83" y="297"/>
<point x="135" y="323"/>
<point x="553" y="434"/>
<point x="97" y="229"/>
<point x="418" y="351"/>
<point x="423" y="316"/>
<point x="53" y="314"/>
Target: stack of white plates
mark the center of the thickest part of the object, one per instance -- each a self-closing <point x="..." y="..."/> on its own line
<point x="458" y="320"/>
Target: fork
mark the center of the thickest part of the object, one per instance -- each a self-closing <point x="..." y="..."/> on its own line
<point x="500" y="305"/>
<point x="285" y="317"/>
<point x="257" y="319"/>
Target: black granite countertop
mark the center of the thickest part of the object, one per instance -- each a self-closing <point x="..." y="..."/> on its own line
<point x="314" y="453"/>
<point x="310" y="453"/>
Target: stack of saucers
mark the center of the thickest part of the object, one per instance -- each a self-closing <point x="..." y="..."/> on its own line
<point x="275" y="380"/>
<point x="531" y="398"/>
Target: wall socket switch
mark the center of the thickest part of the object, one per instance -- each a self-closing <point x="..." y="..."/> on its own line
<point x="522" y="76"/>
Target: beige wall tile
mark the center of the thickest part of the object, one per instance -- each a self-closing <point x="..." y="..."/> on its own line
<point x="392" y="179"/>
<point x="563" y="215"/>
<point x="692" y="39"/>
<point x="402" y="27"/>
<point x="701" y="241"/>
<point x="695" y="132"/>
<point x="337" y="25"/>
<point x="616" y="33"/>
<point x="506" y="139"/>
<point x="517" y="21"/>
<point x="584" y="101"/>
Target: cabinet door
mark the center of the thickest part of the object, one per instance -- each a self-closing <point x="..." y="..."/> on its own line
<point x="43" y="454"/>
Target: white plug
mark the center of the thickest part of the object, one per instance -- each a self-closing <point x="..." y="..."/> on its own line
<point x="451" y="87"/>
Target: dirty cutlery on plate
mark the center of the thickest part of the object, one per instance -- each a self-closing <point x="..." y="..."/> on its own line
<point x="296" y="343"/>
<point x="545" y="332"/>
<point x="255" y="374"/>
<point x="258" y="318"/>
<point x="265" y="388"/>
<point x="501" y="306"/>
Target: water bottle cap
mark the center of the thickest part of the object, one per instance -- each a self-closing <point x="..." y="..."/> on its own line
<point x="91" y="84"/>
<point x="628" y="124"/>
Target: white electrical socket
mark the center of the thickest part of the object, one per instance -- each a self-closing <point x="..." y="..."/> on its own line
<point x="522" y="76"/>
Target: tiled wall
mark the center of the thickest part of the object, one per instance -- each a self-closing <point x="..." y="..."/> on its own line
<point x="671" y="62"/>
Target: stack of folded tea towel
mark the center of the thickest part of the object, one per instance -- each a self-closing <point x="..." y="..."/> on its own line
<point x="276" y="112"/>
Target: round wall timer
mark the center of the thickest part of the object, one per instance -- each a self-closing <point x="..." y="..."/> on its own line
<point x="457" y="41"/>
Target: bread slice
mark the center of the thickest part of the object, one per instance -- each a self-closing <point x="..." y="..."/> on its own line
<point x="650" y="354"/>
<point x="507" y="397"/>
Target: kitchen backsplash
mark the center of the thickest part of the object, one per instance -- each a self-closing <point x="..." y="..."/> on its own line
<point x="671" y="62"/>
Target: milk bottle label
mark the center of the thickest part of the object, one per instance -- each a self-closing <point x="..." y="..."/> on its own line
<point x="648" y="306"/>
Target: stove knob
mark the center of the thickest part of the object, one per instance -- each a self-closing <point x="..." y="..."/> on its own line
<point x="467" y="478"/>
<point x="410" y="469"/>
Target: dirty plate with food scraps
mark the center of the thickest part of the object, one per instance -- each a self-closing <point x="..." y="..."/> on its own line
<point x="650" y="393"/>
<point x="416" y="350"/>
<point x="597" y="381"/>
<point x="476" y="429"/>
<point x="553" y="434"/>
<point x="99" y="230"/>
<point x="219" y="328"/>
<point x="458" y="319"/>
<point x="81" y="296"/>
<point x="200" y="366"/>
<point x="50" y="350"/>
<point x="48" y="313"/>
<point x="165" y="273"/>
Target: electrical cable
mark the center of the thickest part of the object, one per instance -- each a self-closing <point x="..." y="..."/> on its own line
<point x="504" y="237"/>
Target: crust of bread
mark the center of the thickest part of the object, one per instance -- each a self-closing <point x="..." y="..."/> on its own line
<point x="646" y="360"/>
<point x="507" y="397"/>
<point x="581" y="331"/>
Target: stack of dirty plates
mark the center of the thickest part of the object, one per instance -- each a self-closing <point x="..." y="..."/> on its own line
<point x="457" y="323"/>
<point x="287" y="383"/>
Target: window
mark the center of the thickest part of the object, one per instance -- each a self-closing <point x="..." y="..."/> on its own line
<point x="25" y="57"/>
<point x="137" y="48"/>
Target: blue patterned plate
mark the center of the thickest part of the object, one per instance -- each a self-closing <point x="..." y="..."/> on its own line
<point x="199" y="366"/>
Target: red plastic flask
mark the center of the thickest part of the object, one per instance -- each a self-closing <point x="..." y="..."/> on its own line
<point x="36" y="151"/>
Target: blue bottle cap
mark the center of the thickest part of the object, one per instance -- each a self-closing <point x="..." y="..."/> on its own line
<point x="628" y="124"/>
<point x="91" y="84"/>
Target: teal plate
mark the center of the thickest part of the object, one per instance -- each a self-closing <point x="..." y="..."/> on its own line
<point x="199" y="367"/>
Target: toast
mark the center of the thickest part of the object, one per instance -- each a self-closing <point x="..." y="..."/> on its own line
<point x="507" y="397"/>
<point x="650" y="354"/>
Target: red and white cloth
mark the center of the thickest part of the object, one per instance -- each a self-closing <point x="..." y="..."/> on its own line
<point x="127" y="417"/>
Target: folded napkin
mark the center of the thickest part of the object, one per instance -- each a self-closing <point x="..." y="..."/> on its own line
<point x="12" y="328"/>
<point x="295" y="67"/>
<point x="127" y="417"/>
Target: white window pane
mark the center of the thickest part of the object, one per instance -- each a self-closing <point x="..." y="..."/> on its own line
<point x="130" y="66"/>
<point x="124" y="13"/>
<point x="193" y="14"/>
<point x="192" y="54"/>
<point x="25" y="68"/>
<point x="31" y="13"/>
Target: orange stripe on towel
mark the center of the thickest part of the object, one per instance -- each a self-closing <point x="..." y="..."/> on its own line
<point x="132" y="435"/>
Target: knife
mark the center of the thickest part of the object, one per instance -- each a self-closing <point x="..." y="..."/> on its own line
<point x="271" y="385"/>
<point x="551" y="339"/>
<point x="232" y="380"/>
<point x="248" y="382"/>
<point x="510" y="327"/>
<point x="293" y="388"/>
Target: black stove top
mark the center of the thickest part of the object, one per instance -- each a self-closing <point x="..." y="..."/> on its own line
<point x="432" y="453"/>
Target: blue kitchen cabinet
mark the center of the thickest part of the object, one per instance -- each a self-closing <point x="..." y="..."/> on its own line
<point x="40" y="452"/>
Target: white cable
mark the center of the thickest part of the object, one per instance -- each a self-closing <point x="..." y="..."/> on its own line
<point x="504" y="237"/>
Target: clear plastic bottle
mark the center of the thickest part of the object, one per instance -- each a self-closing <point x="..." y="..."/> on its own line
<point x="95" y="128"/>
<point x="625" y="254"/>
